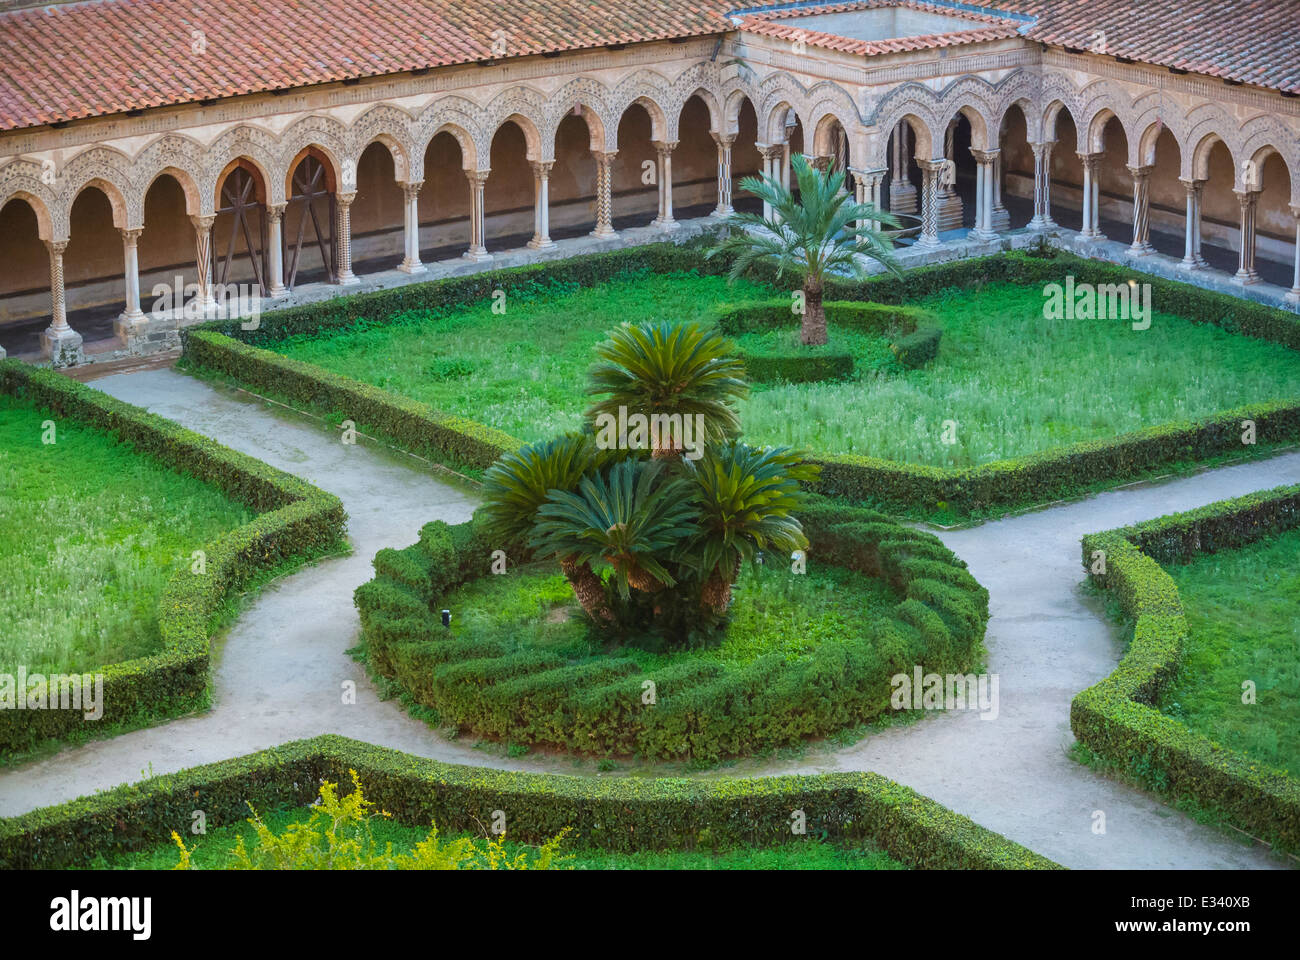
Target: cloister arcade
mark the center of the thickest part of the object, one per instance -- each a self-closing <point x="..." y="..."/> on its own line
<point x="325" y="200"/>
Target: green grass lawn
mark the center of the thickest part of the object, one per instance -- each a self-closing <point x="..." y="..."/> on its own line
<point x="1014" y="382"/>
<point x="214" y="852"/>
<point x="90" y="533"/>
<point x="1243" y="617"/>
<point x="776" y="611"/>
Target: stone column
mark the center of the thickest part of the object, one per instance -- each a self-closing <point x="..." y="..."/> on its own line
<point x="411" y="228"/>
<point x="131" y="263"/>
<point x="930" y="171"/>
<point x="664" y="154"/>
<point x="785" y="164"/>
<point x="275" y="243"/>
<point x="902" y="195"/>
<point x="724" y="142"/>
<point x="604" y="195"/>
<point x="1091" y="228"/>
<point x="541" y="205"/>
<point x="771" y="154"/>
<point x="1246" y="272"/>
<point x="1192" y="259"/>
<point x="868" y="190"/>
<point x="1294" y="295"/>
<point x="477" y="251"/>
<point x="60" y="344"/>
<point x="343" y="205"/>
<point x="1141" y="245"/>
<point x="984" y="160"/>
<point x="1001" y="218"/>
<point x="950" y="205"/>
<point x="203" y="262"/>
<point x="1042" y="185"/>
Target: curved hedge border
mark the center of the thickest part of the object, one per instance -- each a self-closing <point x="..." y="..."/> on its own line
<point x="619" y="814"/>
<point x="704" y="710"/>
<point x="802" y="367"/>
<point x="1115" y="718"/>
<point x="295" y="518"/>
<point x="1035" y="478"/>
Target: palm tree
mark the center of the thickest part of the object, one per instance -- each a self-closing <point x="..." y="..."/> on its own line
<point x="670" y="369"/>
<point x="516" y="487"/>
<point x="745" y="500"/>
<point x="625" y="517"/>
<point x="812" y="236"/>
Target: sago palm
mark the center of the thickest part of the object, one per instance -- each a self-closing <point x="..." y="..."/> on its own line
<point x="662" y="368"/>
<point x="516" y="486"/>
<point x="745" y="497"/>
<point x="814" y="235"/>
<point x="630" y="517"/>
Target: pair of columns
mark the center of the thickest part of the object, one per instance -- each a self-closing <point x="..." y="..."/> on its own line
<point x="1042" y="218"/>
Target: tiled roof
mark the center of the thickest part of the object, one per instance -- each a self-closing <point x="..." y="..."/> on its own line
<point x="77" y="60"/>
<point x="785" y="24"/>
<point x="1251" y="41"/>
<point x="107" y="56"/>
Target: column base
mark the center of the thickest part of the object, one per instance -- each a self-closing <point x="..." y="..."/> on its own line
<point x="1190" y="264"/>
<point x="1092" y="236"/>
<point x="1038" y="224"/>
<point x="540" y="243"/>
<point x="476" y="255"/>
<point x="665" y="225"/>
<point x="412" y="267"/>
<point x="983" y="235"/>
<point x="275" y="293"/>
<point x="1292" y="296"/>
<point x="1143" y="249"/>
<point x="348" y="279"/>
<point x="62" y="347"/>
<point x="721" y="213"/>
<point x="142" y="335"/>
<point x="927" y="243"/>
<point x="605" y="233"/>
<point x="1245" y="277"/>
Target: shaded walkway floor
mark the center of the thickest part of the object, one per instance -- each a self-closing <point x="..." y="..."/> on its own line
<point x="281" y="672"/>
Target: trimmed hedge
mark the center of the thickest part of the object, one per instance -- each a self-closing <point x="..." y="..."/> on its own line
<point x="496" y="688"/>
<point x="919" y="348"/>
<point x="1036" y="478"/>
<point x="1116" y="718"/>
<point x="295" y="518"/>
<point x="618" y="814"/>
<point x="808" y="366"/>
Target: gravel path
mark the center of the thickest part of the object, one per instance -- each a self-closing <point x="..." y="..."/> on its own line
<point x="281" y="672"/>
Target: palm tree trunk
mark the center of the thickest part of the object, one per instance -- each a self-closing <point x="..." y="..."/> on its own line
<point x="588" y="588"/>
<point x="716" y="593"/>
<point x="814" y="314"/>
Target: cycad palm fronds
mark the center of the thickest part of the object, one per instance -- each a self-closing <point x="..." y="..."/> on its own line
<point x="812" y="235"/>
<point x="665" y="368"/>
<point x="630" y="517"/>
<point x="518" y="484"/>
<point x="746" y="497"/>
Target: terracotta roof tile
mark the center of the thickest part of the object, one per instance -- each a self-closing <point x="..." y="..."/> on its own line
<point x="108" y="56"/>
<point x="1250" y="41"/>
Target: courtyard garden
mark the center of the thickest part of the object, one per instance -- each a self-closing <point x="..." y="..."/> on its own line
<point x="1014" y="382"/>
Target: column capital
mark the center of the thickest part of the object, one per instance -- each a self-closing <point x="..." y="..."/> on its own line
<point x="411" y="188"/>
<point x="477" y="178"/>
<point x="203" y="224"/>
<point x="1246" y="197"/>
<point x="769" y="151"/>
<point x="1039" y="146"/>
<point x="604" y="156"/>
<point x="345" y="198"/>
<point x="276" y="210"/>
<point x="56" y="247"/>
<point x="131" y="235"/>
<point x="868" y="171"/>
<point x="931" y="166"/>
<point x="664" y="147"/>
<point x="1089" y="159"/>
<point x="722" y="139"/>
<point x="541" y="168"/>
<point x="1191" y="184"/>
<point x="984" y="156"/>
<point x="1141" y="172"/>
